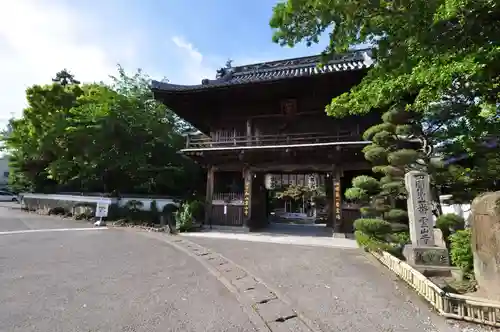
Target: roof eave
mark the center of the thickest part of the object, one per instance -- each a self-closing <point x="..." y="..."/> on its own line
<point x="358" y="60"/>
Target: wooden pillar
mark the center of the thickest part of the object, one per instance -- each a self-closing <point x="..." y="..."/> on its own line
<point x="249" y="131"/>
<point x="337" y="200"/>
<point x="188" y="137"/>
<point x="209" y="195"/>
<point x="247" y="196"/>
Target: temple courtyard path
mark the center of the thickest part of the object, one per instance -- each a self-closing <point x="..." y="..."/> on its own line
<point x="64" y="275"/>
<point x="61" y="275"/>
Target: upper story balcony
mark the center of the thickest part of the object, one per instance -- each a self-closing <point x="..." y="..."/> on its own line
<point x="229" y="142"/>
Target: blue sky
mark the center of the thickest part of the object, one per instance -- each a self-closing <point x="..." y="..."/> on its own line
<point x="182" y="40"/>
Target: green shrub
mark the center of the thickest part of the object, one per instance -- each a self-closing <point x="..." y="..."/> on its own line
<point x="134" y="205"/>
<point x="396" y="216"/>
<point x="85" y="211"/>
<point x="461" y="252"/>
<point x="449" y="222"/>
<point x="184" y="218"/>
<point x="368" y="211"/>
<point x="369" y="243"/>
<point x="396" y="227"/>
<point x="374" y="228"/>
<point x="361" y="238"/>
<point x="375" y="154"/>
<point x="401" y="238"/>
<point x="197" y="209"/>
<point x="356" y="194"/>
<point x="366" y="183"/>
<point x="58" y="210"/>
<point x="132" y="211"/>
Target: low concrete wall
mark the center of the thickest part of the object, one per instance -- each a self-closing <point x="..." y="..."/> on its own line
<point x="76" y="204"/>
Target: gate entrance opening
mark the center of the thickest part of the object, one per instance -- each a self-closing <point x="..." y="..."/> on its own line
<point x="298" y="198"/>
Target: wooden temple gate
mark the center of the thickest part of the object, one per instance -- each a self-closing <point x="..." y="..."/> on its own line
<point x="269" y="118"/>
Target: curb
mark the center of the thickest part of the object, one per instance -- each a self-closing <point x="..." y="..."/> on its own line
<point x="460" y="307"/>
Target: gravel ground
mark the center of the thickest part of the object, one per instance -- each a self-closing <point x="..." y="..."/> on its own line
<point x="339" y="289"/>
<point x="106" y="280"/>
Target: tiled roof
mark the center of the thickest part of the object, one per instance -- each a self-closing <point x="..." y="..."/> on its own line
<point x="276" y="70"/>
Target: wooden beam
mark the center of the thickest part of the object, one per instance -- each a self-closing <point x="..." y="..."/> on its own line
<point x="284" y="146"/>
<point x="249" y="131"/>
<point x="209" y="194"/>
<point x="277" y="167"/>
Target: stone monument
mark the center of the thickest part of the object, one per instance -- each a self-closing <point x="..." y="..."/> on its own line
<point x="422" y="250"/>
<point x="485" y="243"/>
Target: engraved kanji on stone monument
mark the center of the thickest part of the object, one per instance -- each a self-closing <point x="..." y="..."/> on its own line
<point x="419" y="208"/>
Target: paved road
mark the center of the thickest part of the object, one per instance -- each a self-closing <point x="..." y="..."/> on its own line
<point x="105" y="280"/>
<point x="338" y="289"/>
<point x="87" y="279"/>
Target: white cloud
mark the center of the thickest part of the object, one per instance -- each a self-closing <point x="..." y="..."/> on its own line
<point x="40" y="37"/>
<point x="194" y="65"/>
<point x="37" y="39"/>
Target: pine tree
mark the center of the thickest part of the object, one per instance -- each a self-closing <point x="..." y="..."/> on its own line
<point x="403" y="142"/>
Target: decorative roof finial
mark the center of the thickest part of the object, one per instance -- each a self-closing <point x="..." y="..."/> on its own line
<point x="227" y="69"/>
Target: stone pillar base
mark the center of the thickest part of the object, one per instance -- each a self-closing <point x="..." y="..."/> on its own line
<point x="426" y="255"/>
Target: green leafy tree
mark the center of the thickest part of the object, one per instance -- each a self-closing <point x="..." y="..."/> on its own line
<point x="437" y="60"/>
<point x="444" y="54"/>
<point x="33" y="140"/>
<point x="64" y="77"/>
<point x="94" y="137"/>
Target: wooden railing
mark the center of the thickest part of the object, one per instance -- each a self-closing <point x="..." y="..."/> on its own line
<point x="468" y="308"/>
<point x="228" y="197"/>
<point x="202" y="141"/>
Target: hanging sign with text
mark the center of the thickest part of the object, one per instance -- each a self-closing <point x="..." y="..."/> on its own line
<point x="337" y="201"/>
<point x="246" y="196"/>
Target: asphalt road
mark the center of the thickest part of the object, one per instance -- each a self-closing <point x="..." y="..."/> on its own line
<point x="65" y="275"/>
<point x="104" y="280"/>
<point x="337" y="289"/>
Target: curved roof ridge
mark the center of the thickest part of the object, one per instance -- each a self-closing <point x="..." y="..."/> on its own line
<point x="277" y="70"/>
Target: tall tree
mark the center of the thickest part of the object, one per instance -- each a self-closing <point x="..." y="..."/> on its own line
<point x="94" y="137"/>
<point x="441" y="52"/>
<point x="438" y="60"/>
<point x="64" y="77"/>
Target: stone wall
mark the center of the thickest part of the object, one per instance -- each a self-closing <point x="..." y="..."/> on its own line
<point x="485" y="226"/>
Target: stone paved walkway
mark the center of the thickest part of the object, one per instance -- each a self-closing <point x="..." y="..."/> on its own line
<point x="278" y="238"/>
<point x="334" y="289"/>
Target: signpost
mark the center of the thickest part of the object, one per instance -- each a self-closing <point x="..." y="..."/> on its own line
<point x="101" y="211"/>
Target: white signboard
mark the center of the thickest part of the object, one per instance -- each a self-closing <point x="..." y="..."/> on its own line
<point x="419" y="208"/>
<point x="102" y="208"/>
<point x="270" y="181"/>
<point x="225" y="209"/>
